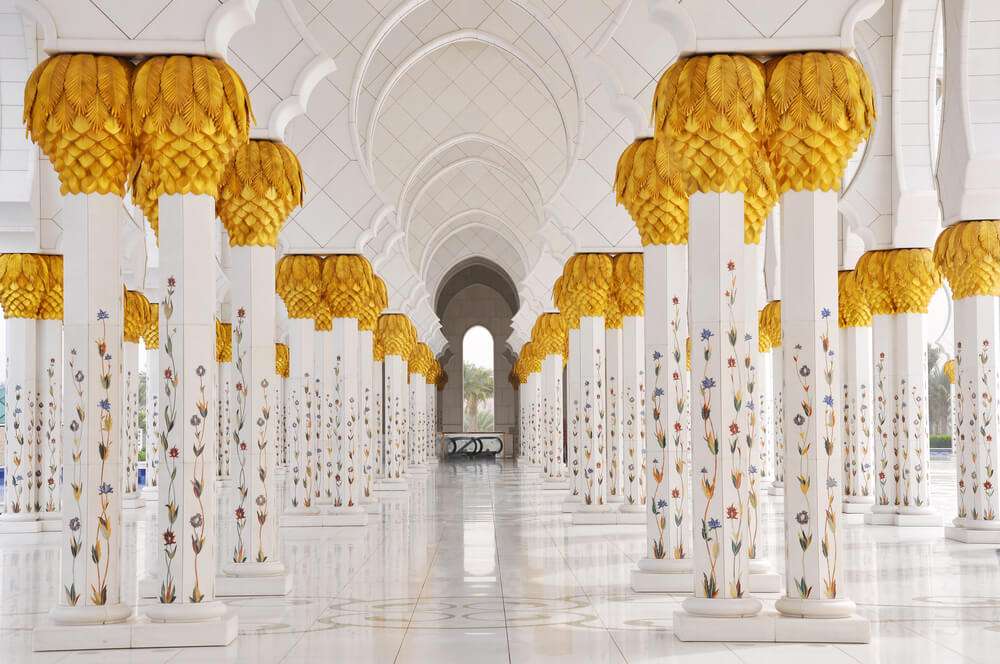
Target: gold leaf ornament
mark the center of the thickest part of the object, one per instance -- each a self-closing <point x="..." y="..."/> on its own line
<point x="77" y="108"/>
<point x="24" y="280"/>
<point x="913" y="279"/>
<point x="51" y="306"/>
<point x="190" y="114"/>
<point x="854" y="310"/>
<point x="820" y="107"/>
<point x="151" y="333"/>
<point x="136" y="316"/>
<point x="260" y="187"/>
<point x="709" y="113"/>
<point x="968" y="255"/>
<point x="550" y="334"/>
<point x="770" y="323"/>
<point x="298" y="281"/>
<point x="627" y="284"/>
<point x="652" y="188"/>
<point x="587" y="281"/>
<point x="395" y="335"/>
<point x="378" y="300"/>
<point x="347" y="285"/>
<point x="281" y="360"/>
<point x="872" y="276"/>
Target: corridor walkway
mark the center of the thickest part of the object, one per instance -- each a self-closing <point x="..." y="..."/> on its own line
<point x="476" y="566"/>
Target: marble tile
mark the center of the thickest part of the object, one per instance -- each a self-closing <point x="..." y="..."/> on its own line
<point x="476" y="565"/>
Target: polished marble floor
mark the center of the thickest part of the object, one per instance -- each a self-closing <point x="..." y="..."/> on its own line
<point x="477" y="566"/>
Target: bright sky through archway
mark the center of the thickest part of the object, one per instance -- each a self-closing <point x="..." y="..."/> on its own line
<point x="477" y="347"/>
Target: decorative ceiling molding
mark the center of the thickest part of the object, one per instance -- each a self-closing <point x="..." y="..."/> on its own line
<point x="458" y="165"/>
<point x="55" y="21"/>
<point x="532" y="64"/>
<point x="456" y="141"/>
<point x="396" y="18"/>
<point x="449" y="229"/>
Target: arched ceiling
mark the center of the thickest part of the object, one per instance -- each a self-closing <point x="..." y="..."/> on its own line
<point x="474" y="240"/>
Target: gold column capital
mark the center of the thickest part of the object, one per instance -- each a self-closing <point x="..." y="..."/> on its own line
<point x="770" y="323"/>
<point x="190" y="114"/>
<point x="298" y="281"/>
<point x="136" y="316"/>
<point x="627" y="284"/>
<point x="51" y="306"/>
<point x="949" y="370"/>
<point x="549" y="334"/>
<point x="260" y="187"/>
<point x="281" y="363"/>
<point x="854" y="310"/>
<point x="652" y="188"/>
<point x="820" y="106"/>
<point x="77" y="108"/>
<point x="968" y="254"/>
<point x="24" y="279"/>
<point x="347" y="285"/>
<point x="395" y="335"/>
<point x="151" y="333"/>
<point x="763" y="335"/>
<point x="587" y="282"/>
<point x="913" y="279"/>
<point x="223" y="342"/>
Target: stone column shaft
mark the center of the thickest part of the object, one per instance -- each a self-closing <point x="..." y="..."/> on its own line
<point x="720" y="460"/>
<point x="633" y="415"/>
<point x="254" y="520"/>
<point x="615" y="414"/>
<point x="93" y="452"/>
<point x="810" y="339"/>
<point x="299" y="416"/>
<point x="187" y="515"/>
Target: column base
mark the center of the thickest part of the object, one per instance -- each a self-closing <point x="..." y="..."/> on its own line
<point x="607" y="517"/>
<point x="572" y="504"/>
<point x="253" y="580"/>
<point x="324" y="519"/>
<point x="856" y="508"/>
<point x="218" y="631"/>
<point x="149" y="587"/>
<point x="133" y="501"/>
<point x="150" y="494"/>
<point x="662" y="576"/>
<point x="771" y="627"/>
<point x="22" y="522"/>
<point x="763" y="578"/>
<point x="51" y="522"/>
<point x="960" y="533"/>
<point x="84" y="628"/>
<point x="419" y="470"/>
<point x="776" y="489"/>
<point x="555" y="484"/>
<point x="372" y="506"/>
<point x="386" y="484"/>
<point x="928" y="519"/>
<point x="881" y="515"/>
<point x="633" y="508"/>
<point x="616" y="499"/>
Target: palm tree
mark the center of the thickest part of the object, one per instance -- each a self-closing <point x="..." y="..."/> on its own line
<point x="477" y="388"/>
<point x="938" y="391"/>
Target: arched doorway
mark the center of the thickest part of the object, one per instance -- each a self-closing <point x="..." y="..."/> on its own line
<point x="477" y="293"/>
<point x="477" y="380"/>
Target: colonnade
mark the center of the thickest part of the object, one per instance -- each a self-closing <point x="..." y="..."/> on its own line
<point x="288" y="432"/>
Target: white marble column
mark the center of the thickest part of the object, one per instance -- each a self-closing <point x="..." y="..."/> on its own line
<point x="378" y="409"/>
<point x="395" y="391"/>
<point x="633" y="417"/>
<point x="433" y="450"/>
<point x="299" y="427"/>
<point x="187" y="514"/>
<point x="325" y="410"/>
<point x="615" y="408"/>
<point x="813" y="532"/>
<point x="552" y="402"/>
<point x="50" y="406"/>
<point x="666" y="565"/>
<point x="772" y="315"/>
<point x="131" y="498"/>
<point x="856" y="371"/>
<point x="23" y="417"/>
<point x="226" y="455"/>
<point x="913" y="501"/>
<point x="534" y="389"/>
<point x="593" y="411"/>
<point x="90" y="590"/>
<point x="344" y="360"/>
<point x="719" y="459"/>
<point x="574" y="451"/>
<point x="418" y="427"/>
<point x="253" y="566"/>
<point x="152" y="345"/>
<point x="367" y="419"/>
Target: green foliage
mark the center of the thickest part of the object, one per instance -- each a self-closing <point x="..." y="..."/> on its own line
<point x="477" y="391"/>
<point x="940" y="442"/>
<point x="938" y="392"/>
